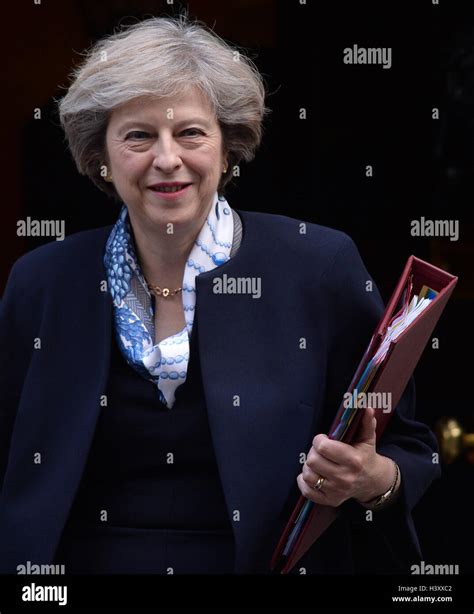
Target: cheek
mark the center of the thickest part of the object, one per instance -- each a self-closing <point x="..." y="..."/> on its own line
<point x="129" y="166"/>
<point x="207" y="165"/>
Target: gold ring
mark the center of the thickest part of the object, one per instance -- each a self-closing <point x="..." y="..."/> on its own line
<point x="319" y="483"/>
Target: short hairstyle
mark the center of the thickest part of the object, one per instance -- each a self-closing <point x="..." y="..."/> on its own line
<point x="162" y="56"/>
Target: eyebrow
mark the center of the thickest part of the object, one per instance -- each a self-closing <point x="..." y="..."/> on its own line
<point x="134" y="123"/>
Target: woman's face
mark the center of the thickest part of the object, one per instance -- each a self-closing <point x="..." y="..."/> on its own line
<point x="150" y="141"/>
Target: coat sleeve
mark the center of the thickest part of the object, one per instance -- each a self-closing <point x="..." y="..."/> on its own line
<point x="355" y="308"/>
<point x="16" y="312"/>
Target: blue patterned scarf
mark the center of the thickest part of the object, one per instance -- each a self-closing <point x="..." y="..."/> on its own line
<point x="166" y="362"/>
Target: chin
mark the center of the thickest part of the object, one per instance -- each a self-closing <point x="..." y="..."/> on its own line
<point x="175" y="213"/>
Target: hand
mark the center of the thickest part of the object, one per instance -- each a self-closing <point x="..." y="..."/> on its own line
<point x="350" y="471"/>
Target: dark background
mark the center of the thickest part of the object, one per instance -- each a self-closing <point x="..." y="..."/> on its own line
<point x="311" y="169"/>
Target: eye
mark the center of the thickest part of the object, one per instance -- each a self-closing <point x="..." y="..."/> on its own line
<point x="195" y="130"/>
<point x="137" y="134"/>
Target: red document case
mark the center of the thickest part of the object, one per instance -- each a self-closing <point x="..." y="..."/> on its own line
<point x="392" y="377"/>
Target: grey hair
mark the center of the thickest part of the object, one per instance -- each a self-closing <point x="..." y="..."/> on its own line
<point x="162" y="56"/>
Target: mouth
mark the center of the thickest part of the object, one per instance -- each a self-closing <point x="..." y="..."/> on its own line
<point x="173" y="189"/>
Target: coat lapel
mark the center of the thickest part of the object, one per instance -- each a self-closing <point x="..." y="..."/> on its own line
<point x="258" y="426"/>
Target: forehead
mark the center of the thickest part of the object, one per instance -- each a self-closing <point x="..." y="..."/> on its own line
<point x="190" y="103"/>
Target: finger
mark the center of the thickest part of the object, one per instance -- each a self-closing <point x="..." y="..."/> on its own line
<point x="368" y="423"/>
<point x="336" y="451"/>
<point x="316" y="466"/>
<point x="317" y="496"/>
<point x="327" y="448"/>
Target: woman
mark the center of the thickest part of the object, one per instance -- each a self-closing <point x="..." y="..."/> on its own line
<point x="163" y="380"/>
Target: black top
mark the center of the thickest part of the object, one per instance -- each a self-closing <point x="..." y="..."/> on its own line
<point x="150" y="499"/>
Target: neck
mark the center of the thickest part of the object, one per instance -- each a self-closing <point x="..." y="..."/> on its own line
<point x="163" y="257"/>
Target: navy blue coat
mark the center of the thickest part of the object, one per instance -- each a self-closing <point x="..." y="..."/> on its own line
<point x="313" y="287"/>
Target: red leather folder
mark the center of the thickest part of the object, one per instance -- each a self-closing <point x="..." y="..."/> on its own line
<point x="392" y="376"/>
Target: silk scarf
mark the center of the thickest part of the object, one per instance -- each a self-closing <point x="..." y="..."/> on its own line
<point x="164" y="363"/>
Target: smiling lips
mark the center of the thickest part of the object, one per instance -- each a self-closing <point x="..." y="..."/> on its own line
<point x="170" y="191"/>
<point x="169" y="186"/>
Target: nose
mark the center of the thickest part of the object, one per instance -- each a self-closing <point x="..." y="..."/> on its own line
<point x="166" y="154"/>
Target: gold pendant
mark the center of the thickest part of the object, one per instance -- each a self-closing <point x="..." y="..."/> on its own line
<point x="165" y="292"/>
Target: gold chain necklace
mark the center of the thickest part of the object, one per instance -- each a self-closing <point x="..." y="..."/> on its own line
<point x="164" y="292"/>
